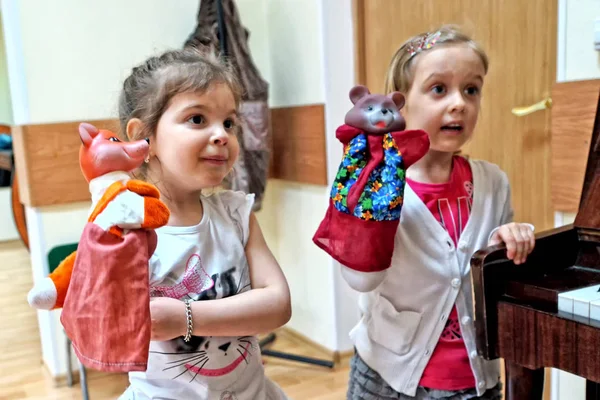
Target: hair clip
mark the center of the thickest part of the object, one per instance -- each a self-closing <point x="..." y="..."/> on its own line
<point x="425" y="43"/>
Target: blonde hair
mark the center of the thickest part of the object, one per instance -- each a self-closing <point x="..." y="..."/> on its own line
<point x="148" y="90"/>
<point x="400" y="73"/>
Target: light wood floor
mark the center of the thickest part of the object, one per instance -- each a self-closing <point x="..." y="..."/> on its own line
<point x="23" y="377"/>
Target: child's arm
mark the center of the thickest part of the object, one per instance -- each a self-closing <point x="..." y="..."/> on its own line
<point x="262" y="309"/>
<point x="518" y="237"/>
<point x="363" y="281"/>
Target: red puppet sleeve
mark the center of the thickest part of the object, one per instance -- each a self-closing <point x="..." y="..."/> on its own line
<point x="413" y="145"/>
<point x="107" y="308"/>
<point x="345" y="133"/>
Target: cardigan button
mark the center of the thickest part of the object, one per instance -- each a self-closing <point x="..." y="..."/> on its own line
<point x="465" y="320"/>
<point x="474" y="354"/>
<point x="455" y="282"/>
<point x="481" y="384"/>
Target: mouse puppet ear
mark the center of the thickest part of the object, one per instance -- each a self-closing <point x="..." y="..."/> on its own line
<point x="397" y="98"/>
<point x="358" y="92"/>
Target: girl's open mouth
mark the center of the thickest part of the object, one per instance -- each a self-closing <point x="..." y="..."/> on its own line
<point x="453" y="128"/>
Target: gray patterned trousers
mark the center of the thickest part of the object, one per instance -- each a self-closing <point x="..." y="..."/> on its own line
<point x="366" y="384"/>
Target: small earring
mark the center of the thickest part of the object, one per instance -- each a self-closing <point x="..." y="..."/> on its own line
<point x="147" y="160"/>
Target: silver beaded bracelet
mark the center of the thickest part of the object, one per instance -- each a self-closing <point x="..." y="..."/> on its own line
<point x="188" y="315"/>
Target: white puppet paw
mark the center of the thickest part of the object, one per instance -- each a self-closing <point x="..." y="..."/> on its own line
<point x="126" y="211"/>
<point x="43" y="295"/>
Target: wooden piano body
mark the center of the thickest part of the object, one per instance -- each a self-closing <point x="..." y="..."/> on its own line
<point x="516" y="306"/>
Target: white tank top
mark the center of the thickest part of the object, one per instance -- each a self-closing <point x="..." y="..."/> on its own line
<point x="204" y="262"/>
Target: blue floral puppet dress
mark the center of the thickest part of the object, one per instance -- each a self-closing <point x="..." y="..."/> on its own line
<point x="367" y="194"/>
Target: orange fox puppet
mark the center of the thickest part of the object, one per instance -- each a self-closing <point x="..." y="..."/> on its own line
<point x="103" y="287"/>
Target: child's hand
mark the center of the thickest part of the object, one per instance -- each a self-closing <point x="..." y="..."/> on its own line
<point x="519" y="240"/>
<point x="168" y="318"/>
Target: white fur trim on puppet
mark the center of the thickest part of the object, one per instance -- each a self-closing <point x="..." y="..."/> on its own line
<point x="43" y="295"/>
<point x="126" y="211"/>
<point x="99" y="185"/>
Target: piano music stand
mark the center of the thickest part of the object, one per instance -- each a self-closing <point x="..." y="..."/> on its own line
<point x="516" y="307"/>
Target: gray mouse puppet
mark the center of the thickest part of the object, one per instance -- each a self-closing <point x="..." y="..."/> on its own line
<point x="367" y="194"/>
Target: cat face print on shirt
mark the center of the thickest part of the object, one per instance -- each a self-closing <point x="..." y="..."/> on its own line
<point x="215" y="362"/>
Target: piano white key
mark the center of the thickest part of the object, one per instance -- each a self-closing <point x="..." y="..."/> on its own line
<point x="577" y="302"/>
<point x="595" y="310"/>
<point x="581" y="307"/>
<point x="565" y="303"/>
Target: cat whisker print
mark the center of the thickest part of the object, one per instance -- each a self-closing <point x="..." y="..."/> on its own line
<point x="199" y="369"/>
<point x="203" y="361"/>
<point x="196" y="354"/>
<point x="242" y="353"/>
<point x="183" y="362"/>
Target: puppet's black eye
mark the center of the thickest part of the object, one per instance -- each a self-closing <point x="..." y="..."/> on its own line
<point x="370" y="108"/>
<point x="113" y="139"/>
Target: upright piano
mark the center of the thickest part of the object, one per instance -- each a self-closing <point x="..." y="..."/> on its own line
<point x="546" y="312"/>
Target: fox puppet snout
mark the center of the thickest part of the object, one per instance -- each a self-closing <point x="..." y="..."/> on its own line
<point x="103" y="152"/>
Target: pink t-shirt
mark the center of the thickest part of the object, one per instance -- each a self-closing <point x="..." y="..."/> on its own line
<point x="450" y="203"/>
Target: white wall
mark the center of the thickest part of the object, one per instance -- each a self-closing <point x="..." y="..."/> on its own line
<point x="92" y="47"/>
<point x="581" y="61"/>
<point x="76" y="76"/>
<point x="296" y="44"/>
<point x="577" y="60"/>
<point x="295" y="41"/>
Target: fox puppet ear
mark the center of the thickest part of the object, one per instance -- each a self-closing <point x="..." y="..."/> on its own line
<point x="87" y="133"/>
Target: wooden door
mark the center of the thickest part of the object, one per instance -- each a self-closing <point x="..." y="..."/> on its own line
<point x="520" y="39"/>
